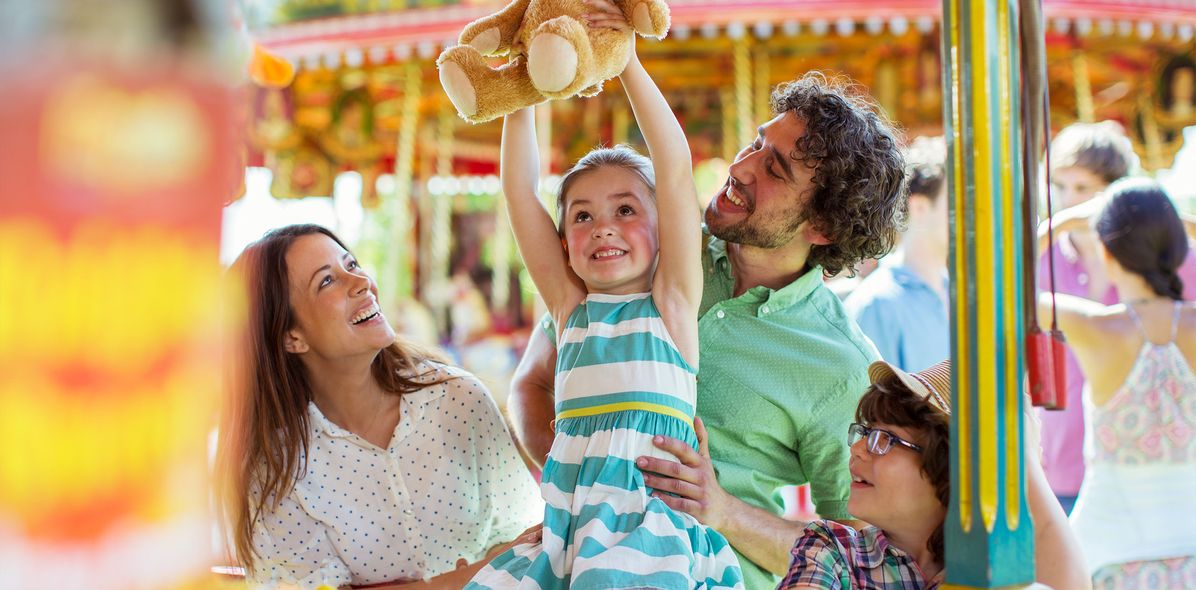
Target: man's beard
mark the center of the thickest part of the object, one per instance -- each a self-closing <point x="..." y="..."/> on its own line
<point x="747" y="233"/>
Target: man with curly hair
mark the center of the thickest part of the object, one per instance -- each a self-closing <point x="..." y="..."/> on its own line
<point x="782" y="367"/>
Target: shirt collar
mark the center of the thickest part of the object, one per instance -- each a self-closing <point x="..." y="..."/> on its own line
<point x="322" y="424"/>
<point x="872" y="546"/>
<point x="718" y="255"/>
<point x="408" y="410"/>
<point x="412" y="407"/>
<point x="906" y="277"/>
<point x="799" y="289"/>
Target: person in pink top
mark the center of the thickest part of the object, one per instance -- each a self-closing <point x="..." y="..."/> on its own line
<point x="1085" y="159"/>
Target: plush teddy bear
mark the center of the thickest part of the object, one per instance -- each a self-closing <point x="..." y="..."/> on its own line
<point x="554" y="54"/>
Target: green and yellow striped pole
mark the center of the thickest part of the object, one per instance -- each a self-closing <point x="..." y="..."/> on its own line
<point x="989" y="535"/>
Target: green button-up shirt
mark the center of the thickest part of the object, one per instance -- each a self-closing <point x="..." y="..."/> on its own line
<point x="780" y="374"/>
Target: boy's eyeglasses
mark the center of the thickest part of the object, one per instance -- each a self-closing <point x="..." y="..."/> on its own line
<point x="879" y="441"/>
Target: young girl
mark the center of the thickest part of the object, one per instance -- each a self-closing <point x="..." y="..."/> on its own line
<point x="624" y="292"/>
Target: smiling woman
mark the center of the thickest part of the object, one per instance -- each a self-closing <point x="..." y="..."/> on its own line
<point x="349" y="457"/>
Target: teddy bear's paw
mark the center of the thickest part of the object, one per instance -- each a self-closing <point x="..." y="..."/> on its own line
<point x="487" y="41"/>
<point x="459" y="89"/>
<point x="591" y="91"/>
<point x="551" y="62"/>
<point x="650" y="19"/>
<point x="641" y="18"/>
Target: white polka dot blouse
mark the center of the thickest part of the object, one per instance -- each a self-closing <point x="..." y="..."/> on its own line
<point x="450" y="485"/>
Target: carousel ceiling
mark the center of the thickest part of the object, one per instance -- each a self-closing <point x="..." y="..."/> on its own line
<point x="333" y="33"/>
<point x="365" y="73"/>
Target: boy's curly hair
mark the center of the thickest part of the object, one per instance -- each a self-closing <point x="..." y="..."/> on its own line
<point x="859" y="200"/>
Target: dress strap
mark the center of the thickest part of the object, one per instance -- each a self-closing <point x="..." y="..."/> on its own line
<point x="1137" y="322"/>
<point x="1179" y="307"/>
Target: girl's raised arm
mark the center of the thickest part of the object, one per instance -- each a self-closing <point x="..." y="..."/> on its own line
<point x="1077" y="317"/>
<point x="539" y="243"/>
<point x="679" y="271"/>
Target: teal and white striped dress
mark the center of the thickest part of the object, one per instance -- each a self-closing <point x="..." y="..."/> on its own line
<point x="620" y="381"/>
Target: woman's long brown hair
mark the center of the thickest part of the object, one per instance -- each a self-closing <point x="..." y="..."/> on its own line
<point x="263" y="438"/>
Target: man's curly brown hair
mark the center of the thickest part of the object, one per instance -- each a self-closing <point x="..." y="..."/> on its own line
<point x="858" y="200"/>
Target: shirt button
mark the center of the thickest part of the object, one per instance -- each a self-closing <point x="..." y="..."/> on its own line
<point x="720" y="315"/>
<point x="408" y="511"/>
<point x="764" y="309"/>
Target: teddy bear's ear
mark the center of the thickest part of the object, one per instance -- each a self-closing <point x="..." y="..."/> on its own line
<point x="494" y="34"/>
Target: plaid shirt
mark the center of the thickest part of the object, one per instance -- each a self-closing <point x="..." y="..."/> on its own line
<point x="837" y="557"/>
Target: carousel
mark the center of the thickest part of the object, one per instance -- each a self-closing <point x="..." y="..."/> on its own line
<point x="365" y="97"/>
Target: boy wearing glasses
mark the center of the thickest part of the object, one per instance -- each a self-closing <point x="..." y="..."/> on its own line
<point x="901" y="484"/>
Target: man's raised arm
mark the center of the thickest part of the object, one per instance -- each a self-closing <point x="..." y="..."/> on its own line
<point x="531" y="403"/>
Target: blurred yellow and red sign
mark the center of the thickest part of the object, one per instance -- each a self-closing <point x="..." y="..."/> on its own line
<point x="111" y="185"/>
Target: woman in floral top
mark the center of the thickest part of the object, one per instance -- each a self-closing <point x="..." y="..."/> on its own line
<point x="901" y="484"/>
<point x="1136" y="511"/>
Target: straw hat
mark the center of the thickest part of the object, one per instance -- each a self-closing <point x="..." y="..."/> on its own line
<point x="933" y="384"/>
